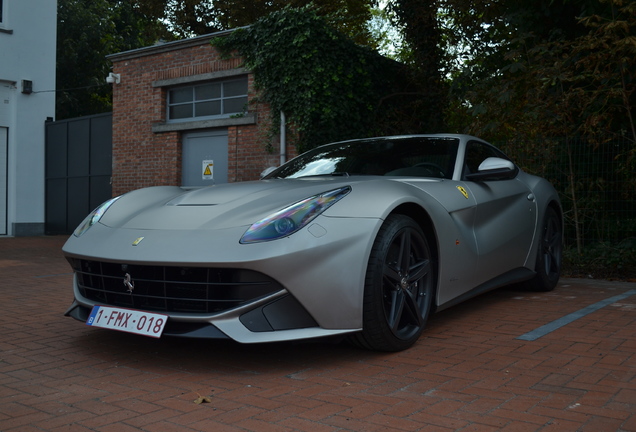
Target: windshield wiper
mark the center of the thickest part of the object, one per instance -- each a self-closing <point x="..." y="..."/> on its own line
<point x="333" y="174"/>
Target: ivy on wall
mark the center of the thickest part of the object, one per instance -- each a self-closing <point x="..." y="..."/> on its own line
<point x="329" y="88"/>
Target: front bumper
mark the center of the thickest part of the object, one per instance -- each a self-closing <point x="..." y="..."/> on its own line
<point x="320" y="271"/>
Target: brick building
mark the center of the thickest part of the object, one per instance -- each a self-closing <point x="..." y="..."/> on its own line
<point x="184" y="116"/>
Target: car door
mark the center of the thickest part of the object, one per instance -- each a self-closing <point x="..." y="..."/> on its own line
<point x="505" y="216"/>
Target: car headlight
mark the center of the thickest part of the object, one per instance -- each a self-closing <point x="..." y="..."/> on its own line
<point x="94" y="217"/>
<point x="290" y="219"/>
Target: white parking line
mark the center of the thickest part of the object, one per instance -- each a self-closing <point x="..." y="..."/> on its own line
<point x="556" y="324"/>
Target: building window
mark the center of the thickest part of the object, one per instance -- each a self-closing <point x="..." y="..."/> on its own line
<point x="215" y="99"/>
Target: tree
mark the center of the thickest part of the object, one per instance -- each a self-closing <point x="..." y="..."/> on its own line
<point x="386" y="35"/>
<point x="188" y="18"/>
<point x="420" y="24"/>
<point x="89" y="30"/>
<point x="606" y="69"/>
<point x="530" y="71"/>
<point x="326" y="94"/>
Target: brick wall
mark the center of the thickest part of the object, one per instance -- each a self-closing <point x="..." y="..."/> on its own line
<point x="143" y="158"/>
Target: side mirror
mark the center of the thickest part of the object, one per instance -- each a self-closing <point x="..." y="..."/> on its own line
<point x="267" y="171"/>
<point x="494" y="168"/>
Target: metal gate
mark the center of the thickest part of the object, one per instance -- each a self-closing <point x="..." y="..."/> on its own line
<point x="78" y="170"/>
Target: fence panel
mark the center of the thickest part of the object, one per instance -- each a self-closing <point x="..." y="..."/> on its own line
<point x="597" y="186"/>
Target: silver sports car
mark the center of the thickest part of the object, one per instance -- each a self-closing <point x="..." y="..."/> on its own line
<point x="365" y="238"/>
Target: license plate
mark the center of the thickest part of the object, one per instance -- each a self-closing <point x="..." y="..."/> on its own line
<point x="127" y="320"/>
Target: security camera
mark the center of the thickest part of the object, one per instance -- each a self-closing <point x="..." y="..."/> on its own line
<point x="113" y="78"/>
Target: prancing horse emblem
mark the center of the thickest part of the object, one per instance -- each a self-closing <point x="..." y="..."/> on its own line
<point x="128" y="283"/>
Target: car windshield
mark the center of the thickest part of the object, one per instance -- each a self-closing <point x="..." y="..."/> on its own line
<point x="408" y="156"/>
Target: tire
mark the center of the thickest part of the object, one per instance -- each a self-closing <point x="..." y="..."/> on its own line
<point x="399" y="287"/>
<point x="550" y="253"/>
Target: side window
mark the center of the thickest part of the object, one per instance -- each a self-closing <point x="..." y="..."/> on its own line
<point x="2" y="13"/>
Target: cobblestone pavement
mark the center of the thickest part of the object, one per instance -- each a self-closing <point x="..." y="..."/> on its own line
<point x="485" y="365"/>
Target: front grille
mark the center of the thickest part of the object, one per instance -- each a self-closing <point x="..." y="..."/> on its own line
<point x="170" y="288"/>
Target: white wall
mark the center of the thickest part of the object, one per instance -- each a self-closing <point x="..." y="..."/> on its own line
<point x="27" y="52"/>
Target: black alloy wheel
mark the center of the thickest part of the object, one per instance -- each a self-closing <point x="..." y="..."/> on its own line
<point x="399" y="287"/>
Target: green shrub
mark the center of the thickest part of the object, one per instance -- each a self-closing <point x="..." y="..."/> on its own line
<point x="602" y="261"/>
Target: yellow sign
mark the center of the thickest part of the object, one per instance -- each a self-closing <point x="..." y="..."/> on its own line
<point x="208" y="170"/>
<point x="463" y="191"/>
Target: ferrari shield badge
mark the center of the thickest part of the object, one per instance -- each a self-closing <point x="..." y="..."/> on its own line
<point x="137" y="241"/>
<point x="463" y="191"/>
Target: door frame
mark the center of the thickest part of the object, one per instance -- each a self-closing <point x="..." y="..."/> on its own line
<point x="4" y="180"/>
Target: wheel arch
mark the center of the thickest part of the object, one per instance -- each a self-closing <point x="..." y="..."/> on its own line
<point x="554" y="204"/>
<point x="549" y="250"/>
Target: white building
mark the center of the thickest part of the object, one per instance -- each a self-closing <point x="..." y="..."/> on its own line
<point x="27" y="99"/>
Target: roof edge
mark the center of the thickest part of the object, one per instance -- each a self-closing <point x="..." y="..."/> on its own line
<point x="167" y="46"/>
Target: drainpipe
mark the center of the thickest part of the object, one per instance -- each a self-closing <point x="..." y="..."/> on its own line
<point x="283" y="139"/>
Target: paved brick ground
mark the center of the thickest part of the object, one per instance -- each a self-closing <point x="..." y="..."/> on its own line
<point x="469" y="372"/>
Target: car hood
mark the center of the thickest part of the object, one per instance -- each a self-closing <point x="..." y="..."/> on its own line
<point x="213" y="207"/>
